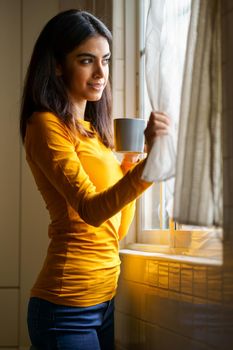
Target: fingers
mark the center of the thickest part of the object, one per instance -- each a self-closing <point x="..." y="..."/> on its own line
<point x="160" y="119"/>
<point x="158" y="125"/>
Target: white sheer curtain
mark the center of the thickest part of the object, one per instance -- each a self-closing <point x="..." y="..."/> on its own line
<point x="166" y="34"/>
<point x="198" y="187"/>
<point x="186" y="85"/>
<point x="165" y="46"/>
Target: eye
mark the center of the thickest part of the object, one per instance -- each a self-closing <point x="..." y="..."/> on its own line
<point x="86" y="61"/>
<point x="106" y="61"/>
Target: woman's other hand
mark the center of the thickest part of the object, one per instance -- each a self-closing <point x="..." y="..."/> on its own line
<point x="131" y="157"/>
<point x="158" y="125"/>
<point x="129" y="160"/>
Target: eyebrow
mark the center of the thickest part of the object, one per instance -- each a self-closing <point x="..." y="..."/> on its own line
<point x="87" y="54"/>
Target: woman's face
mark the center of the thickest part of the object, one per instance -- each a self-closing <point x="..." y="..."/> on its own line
<point x="86" y="70"/>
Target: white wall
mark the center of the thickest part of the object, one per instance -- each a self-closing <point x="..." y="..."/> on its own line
<point x="9" y="175"/>
<point x="34" y="218"/>
<point x="23" y="236"/>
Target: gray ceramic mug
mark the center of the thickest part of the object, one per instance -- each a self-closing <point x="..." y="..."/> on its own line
<point x="129" y="135"/>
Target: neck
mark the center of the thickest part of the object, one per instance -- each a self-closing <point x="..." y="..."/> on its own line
<point x="79" y="109"/>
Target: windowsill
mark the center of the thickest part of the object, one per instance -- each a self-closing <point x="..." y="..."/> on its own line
<point x="209" y="258"/>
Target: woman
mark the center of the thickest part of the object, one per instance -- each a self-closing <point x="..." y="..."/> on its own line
<point x="66" y="128"/>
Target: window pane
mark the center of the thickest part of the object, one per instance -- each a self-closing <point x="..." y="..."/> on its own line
<point x="155" y="215"/>
<point x="151" y="208"/>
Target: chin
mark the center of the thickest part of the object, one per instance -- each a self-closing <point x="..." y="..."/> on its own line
<point x="95" y="98"/>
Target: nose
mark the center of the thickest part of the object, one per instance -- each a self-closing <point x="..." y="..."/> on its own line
<point x="99" y="70"/>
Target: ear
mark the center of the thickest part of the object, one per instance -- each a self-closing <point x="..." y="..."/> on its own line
<point x="58" y="70"/>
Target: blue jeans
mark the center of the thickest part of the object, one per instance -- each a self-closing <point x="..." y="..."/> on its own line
<point x="59" y="327"/>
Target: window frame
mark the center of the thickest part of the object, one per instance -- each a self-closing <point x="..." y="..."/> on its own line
<point x="173" y="240"/>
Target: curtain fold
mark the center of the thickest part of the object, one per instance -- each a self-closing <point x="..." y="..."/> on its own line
<point x="164" y="65"/>
<point x="198" y="184"/>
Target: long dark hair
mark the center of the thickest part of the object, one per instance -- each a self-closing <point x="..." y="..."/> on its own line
<point x="45" y="91"/>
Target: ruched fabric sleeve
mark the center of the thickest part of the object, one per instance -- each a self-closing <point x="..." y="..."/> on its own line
<point x="50" y="146"/>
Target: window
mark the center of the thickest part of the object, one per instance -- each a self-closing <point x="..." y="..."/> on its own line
<point x="155" y="230"/>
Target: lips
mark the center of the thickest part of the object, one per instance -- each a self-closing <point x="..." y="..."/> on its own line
<point x="96" y="86"/>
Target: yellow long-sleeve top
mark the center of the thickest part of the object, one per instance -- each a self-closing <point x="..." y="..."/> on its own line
<point x="90" y="206"/>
